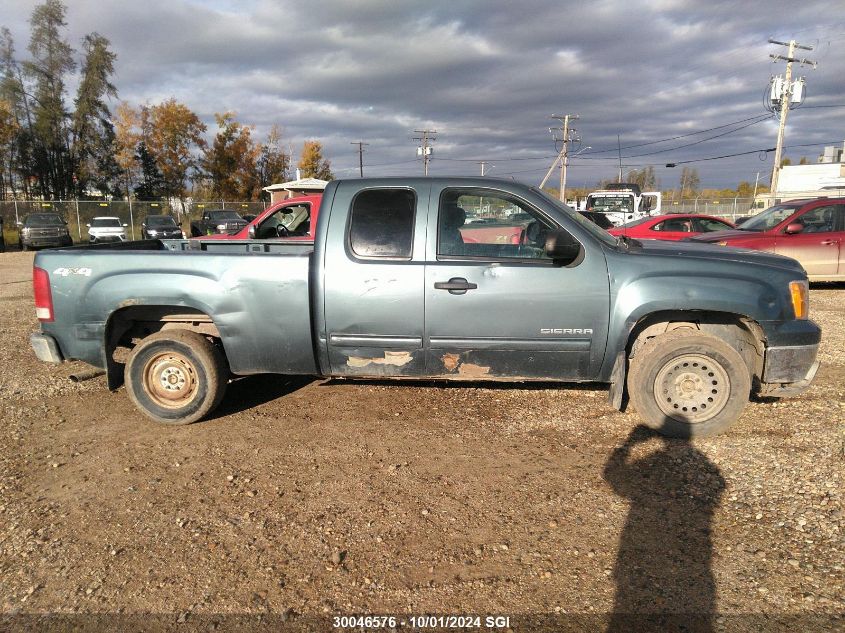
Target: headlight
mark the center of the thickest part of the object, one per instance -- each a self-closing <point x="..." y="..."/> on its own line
<point x="221" y="227"/>
<point x="799" y="291"/>
<point x="152" y="232"/>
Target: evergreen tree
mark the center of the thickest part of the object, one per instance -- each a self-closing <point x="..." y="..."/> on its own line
<point x="93" y="131"/>
<point x="52" y="59"/>
<point x="151" y="183"/>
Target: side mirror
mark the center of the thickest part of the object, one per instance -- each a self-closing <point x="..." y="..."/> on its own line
<point x="88" y="225"/>
<point x="251" y="231"/>
<point x="793" y="227"/>
<point x="125" y="225"/>
<point x="562" y="247"/>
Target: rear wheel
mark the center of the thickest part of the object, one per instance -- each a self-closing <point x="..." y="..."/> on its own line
<point x="687" y="384"/>
<point x="176" y="376"/>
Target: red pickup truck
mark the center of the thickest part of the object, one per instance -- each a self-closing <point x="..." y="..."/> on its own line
<point x="809" y="230"/>
<point x="294" y="219"/>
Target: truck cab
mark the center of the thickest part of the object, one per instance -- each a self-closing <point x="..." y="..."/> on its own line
<point x="624" y="202"/>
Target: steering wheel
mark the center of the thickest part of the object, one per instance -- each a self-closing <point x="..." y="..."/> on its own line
<point x="282" y="230"/>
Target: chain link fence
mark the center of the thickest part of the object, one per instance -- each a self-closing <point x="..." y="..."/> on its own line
<point x="729" y="208"/>
<point x="79" y="213"/>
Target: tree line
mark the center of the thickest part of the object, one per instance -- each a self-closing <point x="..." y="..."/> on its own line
<point x="51" y="149"/>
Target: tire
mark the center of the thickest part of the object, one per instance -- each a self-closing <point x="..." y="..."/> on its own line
<point x="688" y="385"/>
<point x="25" y="247"/>
<point x="195" y="230"/>
<point x="164" y="364"/>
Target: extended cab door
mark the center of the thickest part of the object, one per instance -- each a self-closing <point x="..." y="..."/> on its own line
<point x="496" y="305"/>
<point x="818" y="243"/>
<point x="373" y="280"/>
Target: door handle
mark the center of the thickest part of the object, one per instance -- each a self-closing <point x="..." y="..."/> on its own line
<point x="455" y="286"/>
<point x="830" y="242"/>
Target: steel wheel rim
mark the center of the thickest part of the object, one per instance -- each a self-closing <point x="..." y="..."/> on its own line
<point x="692" y="388"/>
<point x="170" y="379"/>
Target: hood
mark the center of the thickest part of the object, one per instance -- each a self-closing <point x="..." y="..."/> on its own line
<point x="718" y="236"/>
<point x="711" y="252"/>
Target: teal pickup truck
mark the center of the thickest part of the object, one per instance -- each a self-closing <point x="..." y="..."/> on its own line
<point x="470" y="279"/>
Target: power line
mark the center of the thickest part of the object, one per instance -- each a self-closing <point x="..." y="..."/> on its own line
<point x="675" y="138"/>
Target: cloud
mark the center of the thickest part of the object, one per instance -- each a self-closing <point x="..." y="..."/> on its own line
<point x="486" y="74"/>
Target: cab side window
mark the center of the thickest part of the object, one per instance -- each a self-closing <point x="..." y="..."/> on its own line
<point x="489" y="225"/>
<point x="382" y="223"/>
<point x="706" y="225"/>
<point x="822" y="219"/>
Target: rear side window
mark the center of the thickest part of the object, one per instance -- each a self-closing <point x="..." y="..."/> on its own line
<point x="382" y="223"/>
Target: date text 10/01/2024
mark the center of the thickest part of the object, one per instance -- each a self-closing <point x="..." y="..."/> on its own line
<point x="421" y="621"/>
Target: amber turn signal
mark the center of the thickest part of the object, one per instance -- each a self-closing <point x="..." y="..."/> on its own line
<point x="800" y="293"/>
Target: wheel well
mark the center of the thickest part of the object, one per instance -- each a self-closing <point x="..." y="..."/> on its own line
<point x="742" y="333"/>
<point x="128" y="324"/>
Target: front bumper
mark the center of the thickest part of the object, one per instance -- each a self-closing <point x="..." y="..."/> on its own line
<point x="789" y="370"/>
<point x="789" y="363"/>
<point x="45" y="347"/>
<point x="101" y="239"/>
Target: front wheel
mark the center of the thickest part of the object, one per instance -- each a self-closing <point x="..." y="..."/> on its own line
<point x="176" y="376"/>
<point x="688" y="385"/>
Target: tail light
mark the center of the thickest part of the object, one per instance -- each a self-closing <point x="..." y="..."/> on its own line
<point x="43" y="295"/>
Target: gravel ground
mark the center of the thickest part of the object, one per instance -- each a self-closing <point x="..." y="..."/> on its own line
<point x="305" y="499"/>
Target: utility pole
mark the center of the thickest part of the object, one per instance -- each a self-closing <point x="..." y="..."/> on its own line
<point x="425" y="148"/>
<point x="784" y="97"/>
<point x="483" y="163"/>
<point x="360" y="145"/>
<point x="563" y="155"/>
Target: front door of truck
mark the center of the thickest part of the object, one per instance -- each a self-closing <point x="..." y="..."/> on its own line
<point x="374" y="284"/>
<point x="496" y="306"/>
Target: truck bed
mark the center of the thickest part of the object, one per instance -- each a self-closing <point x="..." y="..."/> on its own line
<point x="261" y="311"/>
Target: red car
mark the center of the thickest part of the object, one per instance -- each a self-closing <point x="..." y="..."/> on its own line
<point x="293" y="219"/>
<point x="676" y="226"/>
<point x="811" y="231"/>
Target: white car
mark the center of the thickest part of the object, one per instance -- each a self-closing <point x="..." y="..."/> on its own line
<point x="106" y="229"/>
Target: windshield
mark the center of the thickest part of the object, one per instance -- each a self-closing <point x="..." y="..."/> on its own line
<point x="769" y="218"/>
<point x="610" y="203"/>
<point x="590" y="226"/>
<point x="105" y="223"/>
<point x="44" y="219"/>
<point x="223" y="215"/>
<point x="160" y="220"/>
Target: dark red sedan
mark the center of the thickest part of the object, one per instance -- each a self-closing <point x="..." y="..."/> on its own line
<point x="676" y="226"/>
<point x="810" y="230"/>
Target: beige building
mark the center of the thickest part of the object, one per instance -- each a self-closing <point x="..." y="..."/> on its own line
<point x="299" y="187"/>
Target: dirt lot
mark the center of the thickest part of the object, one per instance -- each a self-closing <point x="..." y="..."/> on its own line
<point x="308" y="499"/>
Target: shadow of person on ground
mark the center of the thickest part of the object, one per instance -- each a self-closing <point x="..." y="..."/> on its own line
<point x="663" y="574"/>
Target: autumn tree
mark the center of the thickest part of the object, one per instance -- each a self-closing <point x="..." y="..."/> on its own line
<point x="93" y="131"/>
<point x="645" y="178"/>
<point x="690" y="181"/>
<point x="272" y="165"/>
<point x="231" y="161"/>
<point x="175" y="135"/>
<point x="312" y="164"/>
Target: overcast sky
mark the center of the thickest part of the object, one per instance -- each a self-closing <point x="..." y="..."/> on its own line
<point x="486" y="74"/>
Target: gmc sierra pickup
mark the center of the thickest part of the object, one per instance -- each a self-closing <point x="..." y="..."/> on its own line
<point x="398" y="285"/>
